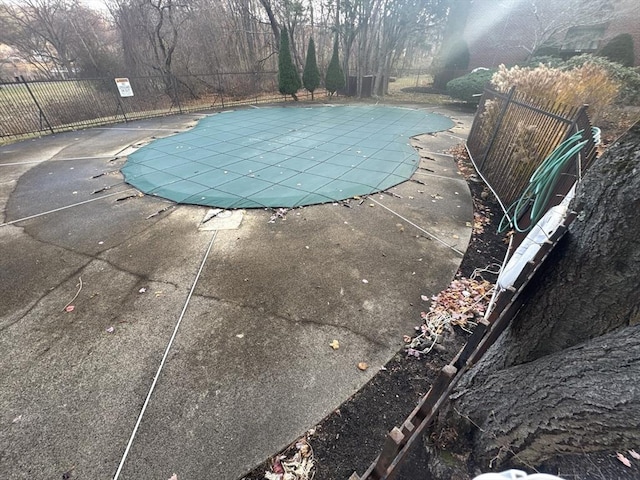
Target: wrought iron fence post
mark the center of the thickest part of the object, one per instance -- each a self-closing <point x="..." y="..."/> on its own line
<point x="33" y="97"/>
<point x="220" y="89"/>
<point x="503" y="111"/>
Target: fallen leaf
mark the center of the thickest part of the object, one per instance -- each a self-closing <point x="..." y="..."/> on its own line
<point x="335" y="344"/>
<point x="277" y="467"/>
<point x="70" y="308"/>
<point x="363" y="366"/>
<point x="624" y="460"/>
<point x="634" y="454"/>
<point x="304" y="449"/>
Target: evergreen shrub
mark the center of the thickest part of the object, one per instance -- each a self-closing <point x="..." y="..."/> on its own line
<point x="334" y="80"/>
<point x="469" y="88"/>
<point x="311" y="74"/>
<point x="288" y="79"/>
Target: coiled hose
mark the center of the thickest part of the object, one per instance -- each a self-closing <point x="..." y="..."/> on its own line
<point x="541" y="185"/>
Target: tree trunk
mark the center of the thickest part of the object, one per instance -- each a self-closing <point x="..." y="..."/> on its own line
<point x="589" y="285"/>
<point x="275" y="28"/>
<point x="563" y="376"/>
<point x="579" y="400"/>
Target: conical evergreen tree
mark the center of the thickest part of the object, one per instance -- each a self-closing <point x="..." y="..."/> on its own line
<point x="311" y="74"/>
<point x="288" y="78"/>
<point x="334" y="80"/>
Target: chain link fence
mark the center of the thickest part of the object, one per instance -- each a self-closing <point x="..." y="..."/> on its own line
<point x="29" y="108"/>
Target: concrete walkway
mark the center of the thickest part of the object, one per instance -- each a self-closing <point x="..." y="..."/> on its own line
<point x="220" y="335"/>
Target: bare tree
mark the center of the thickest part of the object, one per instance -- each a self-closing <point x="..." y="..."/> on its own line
<point x="552" y="19"/>
<point x="151" y="31"/>
<point x="273" y="22"/>
<point x="402" y="21"/>
<point x="529" y="24"/>
<point x="39" y="30"/>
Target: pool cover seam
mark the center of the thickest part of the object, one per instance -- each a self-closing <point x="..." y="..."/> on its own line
<point x="164" y="358"/>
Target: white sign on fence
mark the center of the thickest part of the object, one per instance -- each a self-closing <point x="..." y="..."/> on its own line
<point x="124" y="87"/>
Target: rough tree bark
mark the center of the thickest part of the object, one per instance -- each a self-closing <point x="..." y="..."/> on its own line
<point x="579" y="400"/>
<point x="563" y="377"/>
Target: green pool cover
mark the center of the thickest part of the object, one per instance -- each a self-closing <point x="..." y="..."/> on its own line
<point x="283" y="156"/>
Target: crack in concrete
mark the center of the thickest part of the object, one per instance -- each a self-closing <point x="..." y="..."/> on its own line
<point x="38" y="300"/>
<point x="79" y="272"/>
<point x="279" y="316"/>
<point x="90" y="259"/>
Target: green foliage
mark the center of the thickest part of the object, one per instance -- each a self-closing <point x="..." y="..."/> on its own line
<point x="547" y="50"/>
<point x="311" y="74"/>
<point x="620" y="50"/>
<point x="628" y="78"/>
<point x="548" y="60"/>
<point x="469" y="88"/>
<point x="334" y="80"/>
<point x="288" y="78"/>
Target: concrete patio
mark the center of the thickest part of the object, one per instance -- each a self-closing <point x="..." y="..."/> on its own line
<point x="218" y="332"/>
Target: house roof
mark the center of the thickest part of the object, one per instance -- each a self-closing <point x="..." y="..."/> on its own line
<point x="508" y="31"/>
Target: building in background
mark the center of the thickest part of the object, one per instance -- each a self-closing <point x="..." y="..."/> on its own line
<point x="511" y="31"/>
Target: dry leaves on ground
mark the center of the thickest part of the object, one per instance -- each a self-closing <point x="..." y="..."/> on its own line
<point x="464" y="301"/>
<point x="300" y="466"/>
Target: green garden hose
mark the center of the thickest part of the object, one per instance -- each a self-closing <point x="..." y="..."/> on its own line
<point x="541" y="185"/>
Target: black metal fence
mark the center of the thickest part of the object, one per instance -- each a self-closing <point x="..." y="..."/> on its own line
<point x="512" y="134"/>
<point x="41" y="107"/>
